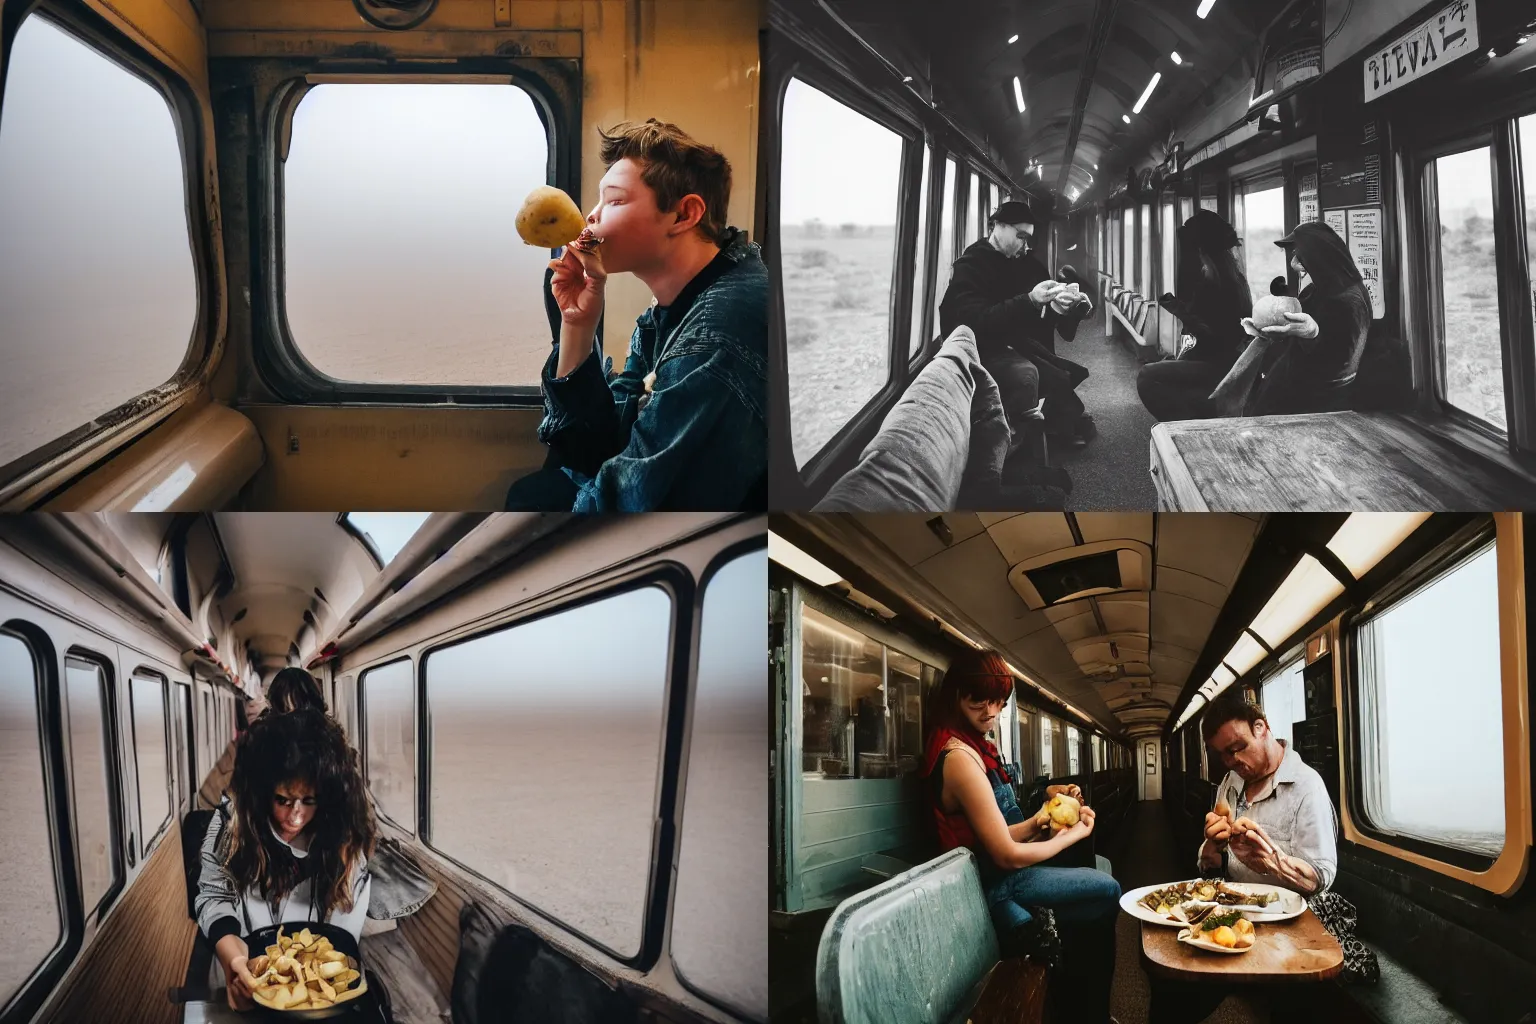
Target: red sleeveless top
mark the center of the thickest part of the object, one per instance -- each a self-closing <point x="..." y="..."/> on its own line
<point x="954" y="830"/>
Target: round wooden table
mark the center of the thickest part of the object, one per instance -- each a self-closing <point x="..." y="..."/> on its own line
<point x="1298" y="950"/>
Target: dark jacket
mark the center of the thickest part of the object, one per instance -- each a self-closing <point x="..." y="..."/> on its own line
<point x="699" y="440"/>
<point x="989" y="293"/>
<point x="1311" y="374"/>
<point x="1214" y="314"/>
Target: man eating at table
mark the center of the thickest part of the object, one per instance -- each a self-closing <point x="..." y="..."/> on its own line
<point x="1272" y="824"/>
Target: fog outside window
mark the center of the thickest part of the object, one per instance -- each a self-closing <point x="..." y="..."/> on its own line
<point x="569" y="708"/>
<point x="86" y="697"/>
<point x="1433" y="768"/>
<point x="389" y="709"/>
<point x="98" y="295"/>
<point x="1468" y="286"/>
<point x="149" y="742"/>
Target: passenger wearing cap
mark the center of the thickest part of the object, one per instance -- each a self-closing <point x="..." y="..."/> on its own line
<point x="1308" y="363"/>
<point x="1009" y="301"/>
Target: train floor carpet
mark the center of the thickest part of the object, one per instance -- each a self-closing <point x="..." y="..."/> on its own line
<point x="1111" y="472"/>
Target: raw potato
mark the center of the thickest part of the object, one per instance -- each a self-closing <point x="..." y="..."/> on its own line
<point x="549" y="218"/>
<point x="1269" y="310"/>
<point x="1063" y="811"/>
<point x="304" y="972"/>
<point x="1224" y="936"/>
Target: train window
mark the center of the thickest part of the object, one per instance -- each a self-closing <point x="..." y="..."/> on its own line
<point x="1047" y="762"/>
<point x="345" y="710"/>
<point x="150" y="742"/>
<point x="840" y="176"/>
<point x="1283" y="700"/>
<point x="424" y="175"/>
<point x="1419" y="752"/>
<point x="920" y="263"/>
<point x="99" y="268"/>
<point x="491" y="701"/>
<point x="972" y="219"/>
<point x="1144" y="278"/>
<point x="1074" y="748"/>
<point x="1472" y="357"/>
<point x="861" y="705"/>
<point x="88" y="700"/>
<point x="1186" y="208"/>
<point x="32" y="907"/>
<point x="1170" y="233"/>
<point x="1128" y="247"/>
<point x="720" y="933"/>
<point x="1527" y="130"/>
<point x="997" y="200"/>
<point x="1024" y="757"/>
<point x="389" y="710"/>
<point x="1258" y="214"/>
<point x="944" y="267"/>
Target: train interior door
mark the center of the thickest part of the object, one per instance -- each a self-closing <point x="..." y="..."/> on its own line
<point x="164" y="630"/>
<point x="1345" y="661"/>
<point x="305" y="288"/>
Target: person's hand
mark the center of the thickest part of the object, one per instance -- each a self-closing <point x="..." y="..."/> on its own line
<point x="238" y="983"/>
<point x="1082" y="830"/>
<point x="1086" y="814"/>
<point x="1186" y="344"/>
<point x="1218" y="828"/>
<point x="1301" y="326"/>
<point x="1071" y="791"/>
<point x="1044" y="292"/>
<point x="1065" y="299"/>
<point x="578" y="285"/>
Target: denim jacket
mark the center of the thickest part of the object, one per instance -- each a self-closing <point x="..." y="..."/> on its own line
<point x="698" y="440"/>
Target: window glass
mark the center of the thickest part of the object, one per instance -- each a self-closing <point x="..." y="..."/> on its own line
<point x="149" y="744"/>
<point x="427" y="177"/>
<point x="1421" y="754"/>
<point x="1469" y="294"/>
<point x="1186" y="208"/>
<point x="920" y="262"/>
<point x="1144" y="277"/>
<point x="847" y="723"/>
<point x="1261" y="224"/>
<point x="904" y="687"/>
<point x="1527" y="128"/>
<point x="27" y="887"/>
<point x="594" y="678"/>
<point x="972" y="217"/>
<point x="1283" y="700"/>
<point x="1170" y="231"/>
<point x="1128" y="247"/>
<point x="1047" y="764"/>
<point x="840" y="177"/>
<point x="944" y="266"/>
<point x="720" y="918"/>
<point x="1074" y="747"/>
<point x="389" y="706"/>
<point x="997" y="200"/>
<point x="87" y="697"/>
<point x="98" y="296"/>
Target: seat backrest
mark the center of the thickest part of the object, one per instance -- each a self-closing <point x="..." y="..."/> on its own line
<point x="194" y="827"/>
<point x="1384" y="379"/>
<point x="916" y="948"/>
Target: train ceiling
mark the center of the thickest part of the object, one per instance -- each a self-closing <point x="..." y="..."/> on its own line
<point x="1108" y="610"/>
<point x="1081" y="64"/>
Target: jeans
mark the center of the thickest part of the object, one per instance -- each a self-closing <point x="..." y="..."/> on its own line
<point x="1182" y="1002"/>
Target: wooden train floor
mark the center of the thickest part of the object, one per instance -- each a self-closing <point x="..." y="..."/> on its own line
<point x="1111" y="472"/>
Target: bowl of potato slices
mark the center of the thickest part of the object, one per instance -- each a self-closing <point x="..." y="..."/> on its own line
<point x="312" y="973"/>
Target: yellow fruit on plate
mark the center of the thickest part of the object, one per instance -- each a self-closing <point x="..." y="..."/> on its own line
<point x="1224" y="936"/>
<point x="549" y="218"/>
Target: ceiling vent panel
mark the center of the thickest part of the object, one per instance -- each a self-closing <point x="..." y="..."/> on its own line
<point x="1087" y="570"/>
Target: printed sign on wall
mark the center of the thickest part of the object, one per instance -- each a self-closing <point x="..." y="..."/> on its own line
<point x="1365" y="246"/>
<point x="1447" y="35"/>
<point x="1339" y="221"/>
<point x="1307" y="193"/>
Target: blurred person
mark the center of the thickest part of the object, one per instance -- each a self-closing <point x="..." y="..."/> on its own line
<point x="1213" y="300"/>
<point x="296" y="846"/>
<point x="293" y="689"/>
<point x="971" y="794"/>
<point x="683" y="427"/>
<point x="1013" y="306"/>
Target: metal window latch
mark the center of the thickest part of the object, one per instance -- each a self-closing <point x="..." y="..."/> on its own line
<point x="293" y="443"/>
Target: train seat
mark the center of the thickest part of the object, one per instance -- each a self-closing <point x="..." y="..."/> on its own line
<point x="867" y="970"/>
<point x="946" y="431"/>
<point x="506" y="972"/>
<point x="1401" y="995"/>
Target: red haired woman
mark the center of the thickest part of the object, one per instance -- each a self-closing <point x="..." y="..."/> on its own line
<point x="974" y="806"/>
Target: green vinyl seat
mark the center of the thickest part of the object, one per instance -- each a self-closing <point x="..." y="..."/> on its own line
<point x="915" y="949"/>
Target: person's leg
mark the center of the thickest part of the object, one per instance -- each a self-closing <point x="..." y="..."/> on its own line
<point x="1178" y="389"/>
<point x="1086" y="903"/>
<point x="547" y="489"/>
<point x="1018" y="385"/>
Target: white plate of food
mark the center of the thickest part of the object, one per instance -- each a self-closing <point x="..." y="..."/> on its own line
<point x="1220" y="932"/>
<point x="1172" y="903"/>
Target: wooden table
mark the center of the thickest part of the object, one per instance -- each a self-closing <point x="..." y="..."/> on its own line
<point x="1328" y="461"/>
<point x="1298" y="950"/>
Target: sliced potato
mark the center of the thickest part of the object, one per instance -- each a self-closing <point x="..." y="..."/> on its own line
<point x="331" y="955"/>
<point x="345" y="977"/>
<point x="331" y="968"/>
<point x="352" y="993"/>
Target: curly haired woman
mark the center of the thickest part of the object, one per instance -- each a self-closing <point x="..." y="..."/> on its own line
<point x="297" y="845"/>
